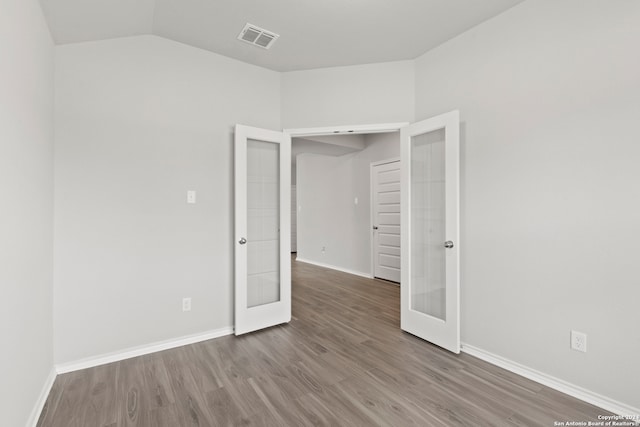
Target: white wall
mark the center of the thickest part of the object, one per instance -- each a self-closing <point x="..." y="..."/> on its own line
<point x="361" y="94"/>
<point x="327" y="187"/>
<point x="140" y="121"/>
<point x="550" y="101"/>
<point x="26" y="215"/>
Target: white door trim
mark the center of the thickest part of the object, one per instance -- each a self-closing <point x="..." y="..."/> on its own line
<point x="349" y="129"/>
<point x="294" y="216"/>
<point x="372" y="248"/>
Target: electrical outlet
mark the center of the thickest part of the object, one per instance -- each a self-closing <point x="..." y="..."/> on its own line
<point x="579" y="341"/>
<point x="322" y="250"/>
<point x="186" y="304"/>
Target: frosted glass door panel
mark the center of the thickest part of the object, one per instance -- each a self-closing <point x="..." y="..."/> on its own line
<point x="262" y="259"/>
<point x="428" y="263"/>
<point x="263" y="223"/>
<point x="430" y="285"/>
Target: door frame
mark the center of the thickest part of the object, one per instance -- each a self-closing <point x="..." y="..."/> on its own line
<point x="353" y="130"/>
<point x="294" y="209"/>
<point x="372" y="208"/>
<point x="346" y="129"/>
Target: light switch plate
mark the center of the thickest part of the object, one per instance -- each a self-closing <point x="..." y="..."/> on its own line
<point x="191" y="197"/>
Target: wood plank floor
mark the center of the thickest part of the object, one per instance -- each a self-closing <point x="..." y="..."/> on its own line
<point x="342" y="361"/>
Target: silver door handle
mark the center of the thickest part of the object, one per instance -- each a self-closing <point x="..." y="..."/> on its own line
<point x="242" y="241"/>
<point x="375" y="227"/>
<point x="448" y="244"/>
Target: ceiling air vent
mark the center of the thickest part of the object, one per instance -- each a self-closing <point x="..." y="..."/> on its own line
<point x="257" y="36"/>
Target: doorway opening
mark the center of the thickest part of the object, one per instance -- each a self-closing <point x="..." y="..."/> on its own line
<point x="335" y="223"/>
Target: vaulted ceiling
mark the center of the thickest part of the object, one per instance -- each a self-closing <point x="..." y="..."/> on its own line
<point x="313" y="33"/>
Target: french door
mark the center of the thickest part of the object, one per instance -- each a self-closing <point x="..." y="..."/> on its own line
<point x="430" y="275"/>
<point x="262" y="228"/>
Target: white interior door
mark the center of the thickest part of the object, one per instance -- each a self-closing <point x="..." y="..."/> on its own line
<point x="262" y="228"/>
<point x="385" y="185"/>
<point x="430" y="285"/>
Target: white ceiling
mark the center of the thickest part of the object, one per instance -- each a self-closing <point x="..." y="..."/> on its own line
<point x="313" y="33"/>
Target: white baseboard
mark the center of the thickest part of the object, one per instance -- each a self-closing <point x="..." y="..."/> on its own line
<point x="588" y="396"/>
<point x="128" y="353"/>
<point x="333" y="267"/>
<point x="42" y="399"/>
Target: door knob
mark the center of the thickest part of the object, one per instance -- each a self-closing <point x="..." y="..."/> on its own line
<point x="375" y="227"/>
<point x="448" y="244"/>
<point x="242" y="241"/>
